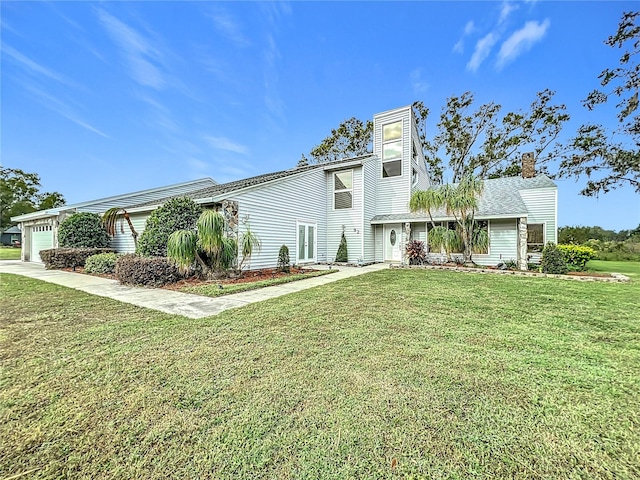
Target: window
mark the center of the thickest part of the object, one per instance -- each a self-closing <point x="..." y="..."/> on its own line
<point x="392" y="149"/>
<point x="535" y="237"/>
<point x="343" y="190"/>
<point x="480" y="235"/>
<point x="414" y="176"/>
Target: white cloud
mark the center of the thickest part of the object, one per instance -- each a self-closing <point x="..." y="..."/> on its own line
<point x="32" y="66"/>
<point x="419" y="85"/>
<point x="506" y="10"/>
<point x="138" y="51"/>
<point x="482" y="50"/>
<point x="229" y="28"/>
<point x="521" y="41"/>
<point x="469" y="28"/>
<point x="222" y="143"/>
<point x="62" y="108"/>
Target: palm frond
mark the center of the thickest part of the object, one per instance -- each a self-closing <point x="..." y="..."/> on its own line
<point x="181" y="248"/>
<point x="211" y="231"/>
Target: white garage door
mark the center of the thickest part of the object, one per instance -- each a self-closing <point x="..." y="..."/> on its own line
<point x="41" y="239"/>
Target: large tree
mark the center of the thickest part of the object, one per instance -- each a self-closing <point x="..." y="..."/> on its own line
<point x="20" y="194"/>
<point x="477" y="141"/>
<point x="593" y="152"/>
<point x="353" y="137"/>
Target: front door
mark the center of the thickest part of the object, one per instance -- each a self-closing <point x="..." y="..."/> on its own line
<point x="306" y="242"/>
<point x="392" y="240"/>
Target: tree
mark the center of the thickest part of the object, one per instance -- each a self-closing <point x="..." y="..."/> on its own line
<point x="20" y="194"/>
<point x="478" y="142"/>
<point x="353" y="137"/>
<point x="110" y="218"/>
<point x="82" y="230"/>
<point x="207" y="245"/>
<point x="461" y="202"/>
<point x="176" y="214"/>
<point x="606" y="163"/>
<point x="342" y="255"/>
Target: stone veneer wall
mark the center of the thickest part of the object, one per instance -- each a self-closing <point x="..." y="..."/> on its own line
<point x="229" y="209"/>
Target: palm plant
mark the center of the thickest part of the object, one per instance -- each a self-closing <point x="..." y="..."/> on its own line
<point x="110" y="219"/>
<point x="208" y="246"/>
<point x="249" y="243"/>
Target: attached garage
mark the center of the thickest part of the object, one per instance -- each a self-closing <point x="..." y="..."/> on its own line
<point x="41" y="239"/>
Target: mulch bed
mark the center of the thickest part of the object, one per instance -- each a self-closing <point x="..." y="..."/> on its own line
<point x="246" y="277"/>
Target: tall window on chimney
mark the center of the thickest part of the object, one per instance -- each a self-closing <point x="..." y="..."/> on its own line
<point x="392" y="149"/>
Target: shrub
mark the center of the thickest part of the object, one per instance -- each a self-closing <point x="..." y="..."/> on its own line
<point x="176" y="214"/>
<point x="57" y="258"/>
<point x="577" y="256"/>
<point x="82" y="230"/>
<point x="101" y="263"/>
<point x="416" y="252"/>
<point x="342" y="255"/>
<point x="147" y="271"/>
<point x="283" y="260"/>
<point x="553" y="260"/>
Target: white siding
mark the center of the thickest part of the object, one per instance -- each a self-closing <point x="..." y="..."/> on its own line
<point x="542" y="207"/>
<point x="379" y="245"/>
<point x="370" y="173"/>
<point x="419" y="232"/>
<point x="393" y="193"/>
<point x="272" y="210"/>
<point x="123" y="242"/>
<point x="351" y="219"/>
<point x="503" y="243"/>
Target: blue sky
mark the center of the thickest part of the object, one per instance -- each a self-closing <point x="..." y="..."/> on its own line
<point x="110" y="97"/>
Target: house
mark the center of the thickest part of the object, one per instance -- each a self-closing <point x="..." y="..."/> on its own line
<point x="11" y="236"/>
<point x="308" y="208"/>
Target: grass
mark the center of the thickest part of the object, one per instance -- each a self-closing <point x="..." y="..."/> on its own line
<point x="394" y="374"/>
<point x="626" y="268"/>
<point x="9" y="253"/>
<point x="214" y="290"/>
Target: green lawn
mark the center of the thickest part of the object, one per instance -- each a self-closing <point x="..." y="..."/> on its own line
<point x="626" y="268"/>
<point x="394" y="374"/>
<point x="9" y="253"/>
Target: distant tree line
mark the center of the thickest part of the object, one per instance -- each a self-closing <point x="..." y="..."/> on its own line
<point x="580" y="235"/>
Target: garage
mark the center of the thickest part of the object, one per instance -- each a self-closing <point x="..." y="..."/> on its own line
<point x="41" y="239"/>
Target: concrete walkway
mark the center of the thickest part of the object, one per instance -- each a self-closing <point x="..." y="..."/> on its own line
<point x="169" y="301"/>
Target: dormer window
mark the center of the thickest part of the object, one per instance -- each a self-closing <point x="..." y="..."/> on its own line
<point x="392" y="149"/>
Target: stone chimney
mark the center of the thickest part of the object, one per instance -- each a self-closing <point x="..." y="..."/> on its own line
<point x="528" y="165"/>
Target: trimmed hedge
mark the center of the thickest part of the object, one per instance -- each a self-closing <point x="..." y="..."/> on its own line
<point x="57" y="258"/>
<point x="553" y="260"/>
<point x="176" y="214"/>
<point x="577" y="256"/>
<point x="146" y="271"/>
<point x="83" y="230"/>
<point x="101" y="263"/>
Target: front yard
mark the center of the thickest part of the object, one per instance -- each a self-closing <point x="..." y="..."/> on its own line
<point x="9" y="253"/>
<point x="394" y="374"/>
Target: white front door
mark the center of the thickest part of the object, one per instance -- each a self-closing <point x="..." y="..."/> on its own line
<point x="306" y="246"/>
<point x="392" y="241"/>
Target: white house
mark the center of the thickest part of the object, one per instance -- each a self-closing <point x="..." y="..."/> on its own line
<point x="366" y="197"/>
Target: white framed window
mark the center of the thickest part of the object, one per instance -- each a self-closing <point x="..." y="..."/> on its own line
<point x="482" y="225"/>
<point x="343" y="190"/>
<point x="414" y="175"/>
<point x="392" y="149"/>
<point x="535" y="237"/>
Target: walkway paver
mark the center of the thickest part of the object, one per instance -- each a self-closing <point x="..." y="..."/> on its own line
<point x="168" y="301"/>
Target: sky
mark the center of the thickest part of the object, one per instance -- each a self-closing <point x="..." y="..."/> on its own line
<point x="105" y="98"/>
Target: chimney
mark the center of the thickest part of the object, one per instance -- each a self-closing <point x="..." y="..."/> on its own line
<point x="528" y="165"/>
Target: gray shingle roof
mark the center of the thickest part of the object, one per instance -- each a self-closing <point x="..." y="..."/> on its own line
<point x="500" y="198"/>
<point x="223" y="188"/>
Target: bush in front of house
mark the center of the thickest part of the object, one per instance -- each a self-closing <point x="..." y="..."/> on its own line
<point x="82" y="230"/>
<point x="342" y="256"/>
<point x="416" y="253"/>
<point x="552" y="260"/>
<point x="176" y="214"/>
<point x="146" y="271"/>
<point x="577" y="256"/>
<point x="101" y="263"/>
<point x="283" y="260"/>
<point x="58" y="258"/>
